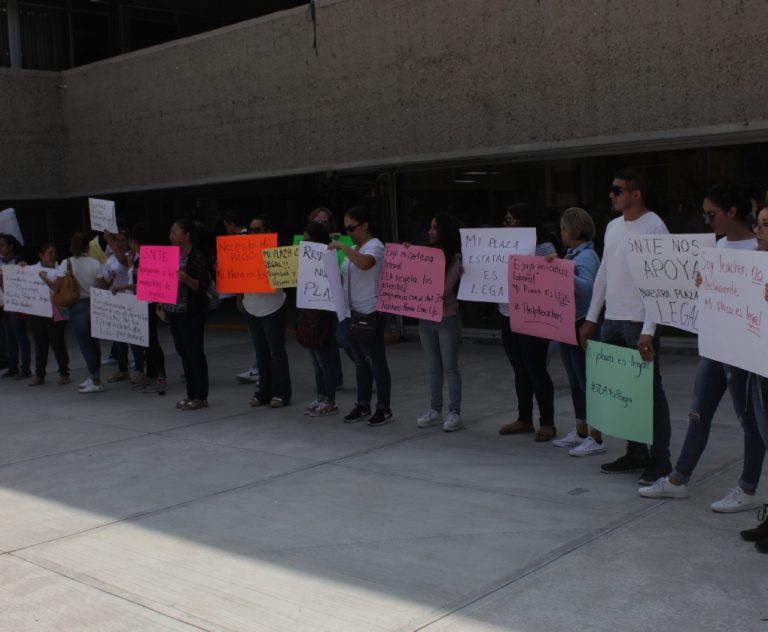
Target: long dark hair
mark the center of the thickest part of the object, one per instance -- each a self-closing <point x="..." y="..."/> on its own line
<point x="728" y="196"/>
<point x="189" y="226"/>
<point x="450" y="239"/>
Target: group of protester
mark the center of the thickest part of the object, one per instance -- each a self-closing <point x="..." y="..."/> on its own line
<point x="608" y="307"/>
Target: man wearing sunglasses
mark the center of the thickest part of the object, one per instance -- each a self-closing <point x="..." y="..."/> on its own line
<point x="626" y="323"/>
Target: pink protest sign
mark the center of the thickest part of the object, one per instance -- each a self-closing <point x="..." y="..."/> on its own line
<point x="157" y="279"/>
<point x="541" y="298"/>
<point x="412" y="282"/>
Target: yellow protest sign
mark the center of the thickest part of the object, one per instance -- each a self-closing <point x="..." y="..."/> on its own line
<point x="282" y="266"/>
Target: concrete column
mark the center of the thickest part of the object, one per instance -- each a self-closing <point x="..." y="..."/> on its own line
<point x="14" y="33"/>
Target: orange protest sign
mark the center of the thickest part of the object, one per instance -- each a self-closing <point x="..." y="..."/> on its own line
<point x="240" y="263"/>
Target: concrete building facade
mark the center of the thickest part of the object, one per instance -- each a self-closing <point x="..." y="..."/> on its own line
<point x="393" y="83"/>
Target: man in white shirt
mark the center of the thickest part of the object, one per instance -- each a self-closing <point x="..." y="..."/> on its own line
<point x="626" y="323"/>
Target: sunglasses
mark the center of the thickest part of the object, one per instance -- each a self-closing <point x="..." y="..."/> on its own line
<point x="617" y="190"/>
<point x="351" y="227"/>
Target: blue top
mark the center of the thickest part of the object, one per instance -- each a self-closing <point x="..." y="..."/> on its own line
<point x="587" y="262"/>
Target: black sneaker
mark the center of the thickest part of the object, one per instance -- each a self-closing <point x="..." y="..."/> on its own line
<point x="358" y="413"/>
<point x="762" y="545"/>
<point x="627" y="463"/>
<point x="760" y="532"/>
<point x="655" y="471"/>
<point x="381" y="417"/>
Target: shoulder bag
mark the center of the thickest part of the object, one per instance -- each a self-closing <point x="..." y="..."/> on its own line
<point x="69" y="291"/>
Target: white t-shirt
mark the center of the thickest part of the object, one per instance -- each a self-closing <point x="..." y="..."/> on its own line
<point x="121" y="272"/>
<point x="741" y="244"/>
<point x="614" y="286"/>
<point x="51" y="273"/>
<point x="86" y="270"/>
<point x="365" y="283"/>
<point x="263" y="303"/>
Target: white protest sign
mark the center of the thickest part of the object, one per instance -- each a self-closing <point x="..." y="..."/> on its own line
<point x="485" y="252"/>
<point x="9" y="224"/>
<point x="733" y="312"/>
<point x="319" y="282"/>
<point x="102" y="215"/>
<point x="26" y="292"/>
<point x="119" y="317"/>
<point x="663" y="268"/>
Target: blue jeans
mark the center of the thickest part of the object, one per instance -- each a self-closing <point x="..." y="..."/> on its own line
<point x="189" y="339"/>
<point x="758" y="387"/>
<point x="440" y="342"/>
<point x="528" y="357"/>
<point x="625" y="333"/>
<point x="324" y="361"/>
<point x="90" y="348"/>
<point x="268" y="337"/>
<point x="711" y="381"/>
<point x="366" y="373"/>
<point x="575" y="362"/>
<point x="16" y="340"/>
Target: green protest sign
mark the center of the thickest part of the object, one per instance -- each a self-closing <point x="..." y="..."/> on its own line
<point x="619" y="392"/>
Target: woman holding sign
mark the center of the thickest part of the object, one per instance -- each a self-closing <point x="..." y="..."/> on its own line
<point x="577" y="230"/>
<point x="440" y="341"/>
<point x="14" y="324"/>
<point x="49" y="332"/>
<point x="759" y="394"/>
<point x="87" y="271"/>
<point x="528" y="354"/>
<point x="188" y="315"/>
<point x="727" y="210"/>
<point x="363" y="332"/>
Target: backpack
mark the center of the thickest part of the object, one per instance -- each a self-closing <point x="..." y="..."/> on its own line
<point x="315" y="328"/>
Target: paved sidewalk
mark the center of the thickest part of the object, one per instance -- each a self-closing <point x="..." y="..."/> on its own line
<point x="121" y="513"/>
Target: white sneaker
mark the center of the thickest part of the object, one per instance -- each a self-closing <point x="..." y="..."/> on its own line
<point x="587" y="447"/>
<point x="312" y="406"/>
<point x="662" y="488"/>
<point x="85" y="383"/>
<point x="570" y="440"/>
<point x="735" y="500"/>
<point x="248" y="377"/>
<point x="91" y="387"/>
<point x="429" y="419"/>
<point x="453" y="422"/>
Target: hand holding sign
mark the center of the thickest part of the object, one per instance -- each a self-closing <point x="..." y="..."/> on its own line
<point x="102" y="214"/>
<point x="412" y="282"/>
<point x="240" y="263"/>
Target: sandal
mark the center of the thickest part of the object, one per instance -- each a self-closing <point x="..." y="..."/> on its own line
<point x="516" y="427"/>
<point x="545" y="433"/>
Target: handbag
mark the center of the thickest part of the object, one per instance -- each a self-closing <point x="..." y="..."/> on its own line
<point x="315" y="328"/>
<point x="68" y="292"/>
<point x="362" y="327"/>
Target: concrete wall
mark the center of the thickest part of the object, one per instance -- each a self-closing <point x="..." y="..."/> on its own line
<point x="412" y="80"/>
<point x="31" y="135"/>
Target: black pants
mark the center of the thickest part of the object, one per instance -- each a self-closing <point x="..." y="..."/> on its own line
<point x="46" y="333"/>
<point x="188" y="337"/>
<point x="154" y="358"/>
<point x="528" y="357"/>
